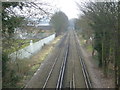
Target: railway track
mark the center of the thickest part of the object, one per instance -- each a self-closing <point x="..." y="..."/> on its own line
<point x="63" y="67"/>
<point x="62" y="70"/>
<point x="50" y="73"/>
<point x="84" y="69"/>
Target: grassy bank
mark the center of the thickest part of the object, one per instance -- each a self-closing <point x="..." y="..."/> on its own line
<point x="15" y="45"/>
<point x="89" y="48"/>
<point x="19" y="72"/>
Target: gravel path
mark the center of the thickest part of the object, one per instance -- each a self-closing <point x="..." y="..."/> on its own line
<point x="96" y="74"/>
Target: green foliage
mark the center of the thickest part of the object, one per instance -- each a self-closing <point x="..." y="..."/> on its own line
<point x="103" y="17"/>
<point x="15" y="45"/>
<point x="12" y="78"/>
<point x="15" y="71"/>
<point x="60" y="22"/>
<point x="83" y="25"/>
<point x="8" y="4"/>
<point x="4" y="65"/>
<point x="9" y="22"/>
<point x="77" y="24"/>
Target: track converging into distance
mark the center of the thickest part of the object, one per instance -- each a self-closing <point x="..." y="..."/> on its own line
<point x="64" y="68"/>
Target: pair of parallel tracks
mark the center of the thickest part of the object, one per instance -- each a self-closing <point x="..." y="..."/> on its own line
<point x="61" y="72"/>
<point x="60" y="79"/>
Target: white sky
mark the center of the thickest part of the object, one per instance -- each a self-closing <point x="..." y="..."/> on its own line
<point x="69" y="7"/>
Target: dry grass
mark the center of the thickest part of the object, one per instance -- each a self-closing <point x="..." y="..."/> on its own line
<point x="19" y="72"/>
<point x="26" y="68"/>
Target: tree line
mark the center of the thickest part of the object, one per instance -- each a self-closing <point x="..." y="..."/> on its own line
<point x="59" y="22"/>
<point x="100" y="20"/>
<point x="10" y="21"/>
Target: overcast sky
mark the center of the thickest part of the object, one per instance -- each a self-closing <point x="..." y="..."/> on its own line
<point x="69" y="7"/>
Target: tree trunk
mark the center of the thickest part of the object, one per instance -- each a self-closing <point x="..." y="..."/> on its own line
<point x="100" y="60"/>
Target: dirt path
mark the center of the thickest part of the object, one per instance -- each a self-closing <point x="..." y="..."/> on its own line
<point x="96" y="74"/>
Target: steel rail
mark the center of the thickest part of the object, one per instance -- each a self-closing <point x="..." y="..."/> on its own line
<point x="49" y="75"/>
<point x="44" y="86"/>
<point x="72" y="82"/>
<point x="84" y="69"/>
<point x="62" y="71"/>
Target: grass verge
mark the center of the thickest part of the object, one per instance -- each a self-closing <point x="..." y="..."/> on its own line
<point x="20" y="71"/>
<point x="16" y="44"/>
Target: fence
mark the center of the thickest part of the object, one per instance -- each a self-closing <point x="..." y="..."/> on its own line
<point x="31" y="49"/>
